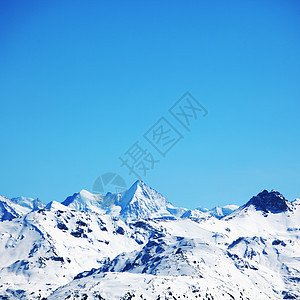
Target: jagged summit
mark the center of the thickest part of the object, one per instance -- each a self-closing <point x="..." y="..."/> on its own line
<point x="70" y="199"/>
<point x="220" y="212"/>
<point x="17" y="207"/>
<point x="136" y="188"/>
<point x="29" y="203"/>
<point x="139" y="183"/>
<point x="273" y="202"/>
<point x="54" y="205"/>
<point x="103" y="240"/>
<point x="138" y="202"/>
<point x="86" y="201"/>
<point x="141" y="201"/>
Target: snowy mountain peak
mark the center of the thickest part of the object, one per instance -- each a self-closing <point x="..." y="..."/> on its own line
<point x="138" y="187"/>
<point x="17" y="207"/>
<point x="141" y="201"/>
<point x="54" y="205"/>
<point x="220" y="212"/>
<point x="273" y="202"/>
<point x="28" y="202"/>
<point x="139" y="183"/>
<point x="137" y="245"/>
<point x="85" y="201"/>
<point x="86" y="194"/>
<point x="70" y="199"/>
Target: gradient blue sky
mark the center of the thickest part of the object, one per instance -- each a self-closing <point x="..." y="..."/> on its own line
<point x="80" y="82"/>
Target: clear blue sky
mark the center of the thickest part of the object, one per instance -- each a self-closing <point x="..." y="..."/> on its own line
<point x="80" y="82"/>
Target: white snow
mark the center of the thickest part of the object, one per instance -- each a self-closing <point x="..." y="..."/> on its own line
<point x="136" y="244"/>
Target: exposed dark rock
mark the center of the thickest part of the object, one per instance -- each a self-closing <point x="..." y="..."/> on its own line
<point x="120" y="230"/>
<point x="266" y="201"/>
<point x="62" y="226"/>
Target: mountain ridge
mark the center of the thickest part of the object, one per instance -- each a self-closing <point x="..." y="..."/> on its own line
<point x="104" y="246"/>
<point x="141" y="201"/>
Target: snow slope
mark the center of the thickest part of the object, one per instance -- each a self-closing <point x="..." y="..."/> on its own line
<point x="136" y="245"/>
<point x="17" y="207"/>
<point x="139" y="201"/>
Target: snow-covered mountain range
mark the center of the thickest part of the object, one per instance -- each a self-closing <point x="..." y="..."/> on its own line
<point x="137" y="245"/>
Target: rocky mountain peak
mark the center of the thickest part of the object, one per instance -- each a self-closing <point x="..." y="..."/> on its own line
<point x="273" y="202"/>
